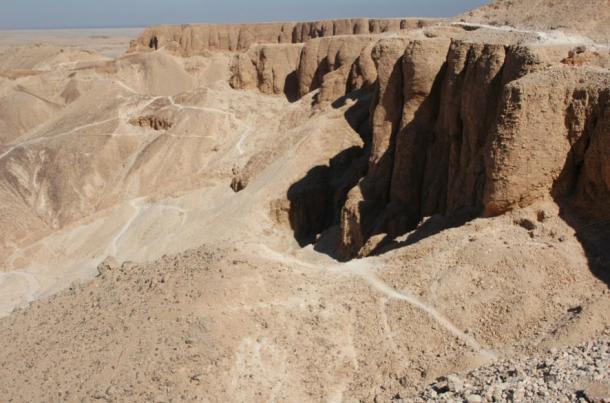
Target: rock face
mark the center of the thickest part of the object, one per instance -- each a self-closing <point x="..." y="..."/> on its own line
<point x="326" y="64"/>
<point x="436" y="105"/>
<point x="453" y="123"/>
<point x="455" y="127"/>
<point x="270" y="69"/>
<point x="561" y="119"/>
<point x="475" y="131"/>
<point x="359" y="217"/>
<point x="189" y="40"/>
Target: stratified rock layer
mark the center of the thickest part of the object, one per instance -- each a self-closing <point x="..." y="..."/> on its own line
<point x="270" y="68"/>
<point x="480" y="131"/>
<point x="452" y="125"/>
<point x="456" y="127"/>
<point x="189" y="40"/>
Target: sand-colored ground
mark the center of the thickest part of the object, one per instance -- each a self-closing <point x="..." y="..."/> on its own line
<point x="205" y="294"/>
<point x="567" y="16"/>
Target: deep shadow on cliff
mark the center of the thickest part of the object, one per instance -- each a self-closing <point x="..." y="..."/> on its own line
<point x="588" y="218"/>
<point x="429" y="227"/>
<point x="593" y="234"/>
<point x="316" y="199"/>
<point x="291" y="87"/>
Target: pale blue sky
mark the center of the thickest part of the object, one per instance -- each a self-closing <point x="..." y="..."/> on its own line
<point x="16" y="14"/>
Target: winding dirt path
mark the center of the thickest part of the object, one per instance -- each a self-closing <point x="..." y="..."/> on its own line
<point x="12" y="147"/>
<point x="9" y="298"/>
<point x="363" y="269"/>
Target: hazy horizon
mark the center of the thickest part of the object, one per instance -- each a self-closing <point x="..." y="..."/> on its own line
<point x="74" y="14"/>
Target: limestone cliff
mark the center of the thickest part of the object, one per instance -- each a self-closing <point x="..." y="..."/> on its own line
<point x="482" y="130"/>
<point x="190" y="40"/>
<point x="456" y="127"/>
<point x="552" y="132"/>
<point x="268" y="68"/>
<point x="453" y="123"/>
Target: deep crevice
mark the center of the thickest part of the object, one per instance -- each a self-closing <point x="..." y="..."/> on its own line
<point x="317" y="199"/>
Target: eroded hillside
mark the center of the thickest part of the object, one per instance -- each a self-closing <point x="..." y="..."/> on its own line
<point x="454" y="123"/>
<point x="207" y="183"/>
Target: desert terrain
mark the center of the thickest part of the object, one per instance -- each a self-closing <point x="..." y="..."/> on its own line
<point x="347" y="210"/>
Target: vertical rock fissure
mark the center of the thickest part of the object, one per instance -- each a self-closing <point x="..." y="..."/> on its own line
<point x="430" y="155"/>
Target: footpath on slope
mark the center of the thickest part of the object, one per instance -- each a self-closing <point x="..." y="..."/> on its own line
<point x="363" y="269"/>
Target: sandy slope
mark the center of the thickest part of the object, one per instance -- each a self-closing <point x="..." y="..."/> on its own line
<point x="97" y="180"/>
<point x="231" y="323"/>
<point x="569" y="16"/>
<point x="217" y="324"/>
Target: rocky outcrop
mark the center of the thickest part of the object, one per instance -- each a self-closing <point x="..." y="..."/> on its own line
<point x="437" y="105"/>
<point x="455" y="127"/>
<point x="327" y="64"/>
<point x="270" y="69"/>
<point x="359" y="217"/>
<point x="335" y="66"/>
<point x="423" y="67"/>
<point x="190" y="40"/>
<point x="552" y="134"/>
<point x="469" y="129"/>
<point x="458" y="127"/>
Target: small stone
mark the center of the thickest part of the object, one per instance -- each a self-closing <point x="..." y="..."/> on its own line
<point x="107" y="266"/>
<point x="197" y="377"/>
<point x="441" y="386"/>
<point x="597" y="392"/>
<point x="455" y="384"/>
<point x="100" y="396"/>
<point x="474" y="399"/>
<point x="577" y="50"/>
<point x="542" y="215"/>
<point x="526" y="223"/>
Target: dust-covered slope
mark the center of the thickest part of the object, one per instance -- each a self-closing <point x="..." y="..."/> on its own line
<point x="137" y="156"/>
<point x="245" y="322"/>
<point x="588" y="18"/>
